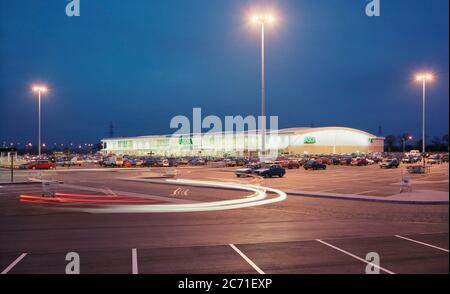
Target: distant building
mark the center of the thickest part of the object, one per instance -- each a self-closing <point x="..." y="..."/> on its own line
<point x="295" y="141"/>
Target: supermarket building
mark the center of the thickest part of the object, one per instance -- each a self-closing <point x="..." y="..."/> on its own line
<point x="294" y="141"/>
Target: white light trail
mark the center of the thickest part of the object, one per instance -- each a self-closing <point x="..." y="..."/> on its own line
<point x="259" y="198"/>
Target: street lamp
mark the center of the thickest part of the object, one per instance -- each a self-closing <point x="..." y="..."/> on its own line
<point x="404" y="142"/>
<point x="262" y="20"/>
<point x="424" y="78"/>
<point x="40" y="90"/>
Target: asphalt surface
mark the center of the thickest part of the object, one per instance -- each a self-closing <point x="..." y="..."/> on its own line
<point x="299" y="235"/>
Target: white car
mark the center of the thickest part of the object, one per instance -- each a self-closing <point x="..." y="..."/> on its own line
<point x="415" y="153"/>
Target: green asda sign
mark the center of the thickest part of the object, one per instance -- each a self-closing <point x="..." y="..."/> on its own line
<point x="310" y="140"/>
<point x="185" y="141"/>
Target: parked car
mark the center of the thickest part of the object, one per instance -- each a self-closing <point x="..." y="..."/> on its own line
<point x="303" y="160"/>
<point x="435" y="159"/>
<point x="324" y="160"/>
<point x="270" y="171"/>
<point x="182" y="161"/>
<point x="113" y="161"/>
<point x="415" y="153"/>
<point x="241" y="161"/>
<point x="76" y="161"/>
<point x="314" y="165"/>
<point x="247" y="170"/>
<point x="148" y="162"/>
<point x="359" y="162"/>
<point x="370" y="161"/>
<point x="346" y="160"/>
<point x="42" y="164"/>
<point x="197" y="162"/>
<point x="127" y="163"/>
<point x="410" y="159"/>
<point x="230" y="163"/>
<point x="335" y="161"/>
<point x="290" y="164"/>
<point x="390" y="163"/>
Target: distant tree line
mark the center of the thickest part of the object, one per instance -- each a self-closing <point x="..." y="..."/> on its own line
<point x="396" y="143"/>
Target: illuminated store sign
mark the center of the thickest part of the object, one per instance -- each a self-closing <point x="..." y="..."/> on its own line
<point x="185" y="141"/>
<point x="310" y="140"/>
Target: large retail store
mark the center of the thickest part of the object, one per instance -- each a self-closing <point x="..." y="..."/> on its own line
<point x="295" y="141"/>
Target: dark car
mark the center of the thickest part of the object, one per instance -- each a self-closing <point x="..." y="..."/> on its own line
<point x="270" y="171"/>
<point x="241" y="161"/>
<point x="302" y="161"/>
<point x="346" y="161"/>
<point x="390" y="163"/>
<point x="335" y="161"/>
<point x="314" y="165"/>
<point x="247" y="170"/>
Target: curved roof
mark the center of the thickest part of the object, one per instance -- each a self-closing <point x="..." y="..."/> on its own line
<point x="300" y="131"/>
<point x="294" y="131"/>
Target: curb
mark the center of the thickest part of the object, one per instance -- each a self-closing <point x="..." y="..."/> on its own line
<point x="379" y="200"/>
<point x="18" y="183"/>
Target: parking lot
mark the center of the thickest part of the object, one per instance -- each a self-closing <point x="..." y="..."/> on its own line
<point x="399" y="255"/>
<point x="298" y="235"/>
<point x="363" y="180"/>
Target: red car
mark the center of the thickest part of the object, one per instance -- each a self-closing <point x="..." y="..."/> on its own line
<point x="127" y="164"/>
<point x="290" y="164"/>
<point x="359" y="162"/>
<point x="42" y="164"/>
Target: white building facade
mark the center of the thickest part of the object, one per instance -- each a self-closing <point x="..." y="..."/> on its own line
<point x="295" y="141"/>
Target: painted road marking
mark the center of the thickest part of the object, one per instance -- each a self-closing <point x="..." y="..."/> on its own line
<point x="108" y="191"/>
<point x="134" y="261"/>
<point x="13" y="264"/>
<point x="248" y="260"/>
<point x="354" y="256"/>
<point x="180" y="192"/>
<point x="365" y="192"/>
<point x="422" y="243"/>
<point x="175" y="193"/>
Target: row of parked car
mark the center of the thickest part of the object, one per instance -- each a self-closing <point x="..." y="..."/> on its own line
<point x="54" y="161"/>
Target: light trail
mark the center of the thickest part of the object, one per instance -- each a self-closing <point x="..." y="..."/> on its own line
<point x="259" y="198"/>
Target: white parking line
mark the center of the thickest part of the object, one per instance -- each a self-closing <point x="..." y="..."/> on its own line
<point x="331" y="190"/>
<point x="354" y="256"/>
<point x="248" y="260"/>
<point x="422" y="243"/>
<point x="134" y="262"/>
<point x="13" y="264"/>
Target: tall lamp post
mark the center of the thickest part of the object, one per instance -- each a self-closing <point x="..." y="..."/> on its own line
<point x="39" y="89"/>
<point x="424" y="78"/>
<point x="262" y="20"/>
